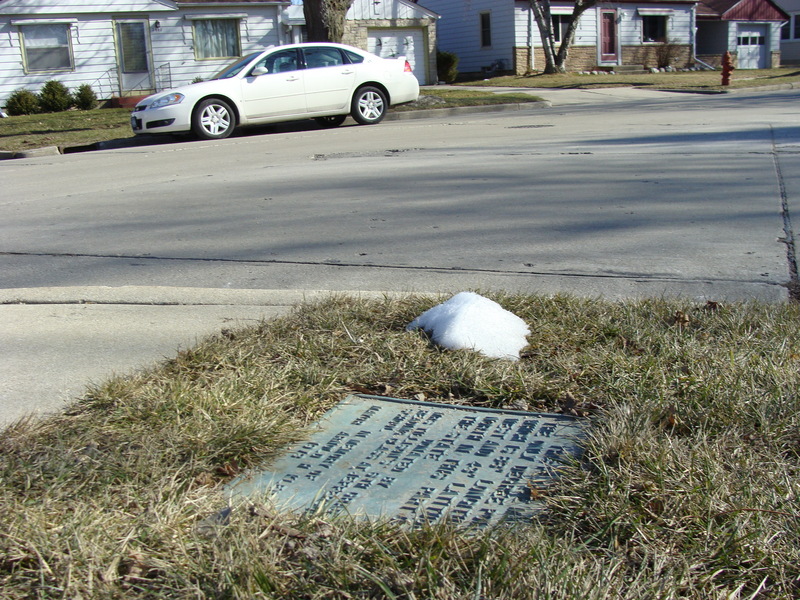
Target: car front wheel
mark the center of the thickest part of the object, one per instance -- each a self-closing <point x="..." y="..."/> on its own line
<point x="369" y="105"/>
<point x="213" y="119"/>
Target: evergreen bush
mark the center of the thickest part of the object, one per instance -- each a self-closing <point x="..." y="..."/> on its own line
<point x="447" y="66"/>
<point x="85" y="98"/>
<point x="54" y="97"/>
<point x="22" y="102"/>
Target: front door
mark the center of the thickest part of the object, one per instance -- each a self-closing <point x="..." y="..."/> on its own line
<point x="133" y="57"/>
<point x="608" y="36"/>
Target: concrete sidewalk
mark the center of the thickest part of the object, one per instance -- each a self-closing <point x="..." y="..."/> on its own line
<point x="56" y="341"/>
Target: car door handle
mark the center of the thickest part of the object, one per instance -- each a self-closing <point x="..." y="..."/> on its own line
<point x="292" y="78"/>
<point x="348" y="72"/>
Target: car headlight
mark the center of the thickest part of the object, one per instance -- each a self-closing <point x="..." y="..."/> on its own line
<point x="168" y="100"/>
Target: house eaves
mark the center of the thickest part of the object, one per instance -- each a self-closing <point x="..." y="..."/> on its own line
<point x="232" y="2"/>
<point x="419" y="8"/>
<point x="740" y="10"/>
<point x="48" y="7"/>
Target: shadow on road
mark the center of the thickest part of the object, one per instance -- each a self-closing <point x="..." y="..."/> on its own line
<point x="157" y="140"/>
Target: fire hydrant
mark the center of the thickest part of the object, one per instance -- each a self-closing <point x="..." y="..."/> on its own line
<point x="727" y="68"/>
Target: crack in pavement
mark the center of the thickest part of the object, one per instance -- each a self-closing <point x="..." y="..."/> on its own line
<point x="788" y="231"/>
<point x="622" y="276"/>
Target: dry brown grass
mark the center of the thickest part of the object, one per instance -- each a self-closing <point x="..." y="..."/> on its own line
<point x="688" y="487"/>
<point x="687" y="81"/>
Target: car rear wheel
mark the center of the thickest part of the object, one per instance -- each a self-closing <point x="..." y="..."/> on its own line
<point x="328" y="122"/>
<point x="369" y="105"/>
<point x="213" y="119"/>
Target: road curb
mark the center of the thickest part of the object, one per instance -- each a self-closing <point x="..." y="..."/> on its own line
<point x="391" y="116"/>
<point x="166" y="139"/>
<point x="32" y="153"/>
<point x="179" y="296"/>
<point x="463" y="110"/>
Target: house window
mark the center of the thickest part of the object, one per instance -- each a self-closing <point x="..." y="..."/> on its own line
<point x="654" y="28"/>
<point x="486" y="30"/>
<point x="216" y="38"/>
<point x="560" y="25"/>
<point x="47" y="47"/>
<point x="786" y="32"/>
<point x="751" y="40"/>
<point x="796" y="27"/>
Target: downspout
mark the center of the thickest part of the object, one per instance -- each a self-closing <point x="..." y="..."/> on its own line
<point x="281" y="25"/>
<point x="693" y="41"/>
<point x="530" y="37"/>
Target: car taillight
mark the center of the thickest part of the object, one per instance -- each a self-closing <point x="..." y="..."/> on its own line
<point x="407" y="68"/>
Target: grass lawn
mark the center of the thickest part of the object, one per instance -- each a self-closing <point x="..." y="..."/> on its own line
<point x="70" y="128"/>
<point x="80" y="127"/>
<point x="688" y="81"/>
<point x="688" y="486"/>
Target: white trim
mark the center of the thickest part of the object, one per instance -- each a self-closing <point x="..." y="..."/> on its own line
<point x="44" y="21"/>
<point x="211" y="16"/>
<point x="655" y="12"/>
<point x="417" y="7"/>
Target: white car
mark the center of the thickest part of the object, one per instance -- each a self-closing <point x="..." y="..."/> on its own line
<point x="322" y="81"/>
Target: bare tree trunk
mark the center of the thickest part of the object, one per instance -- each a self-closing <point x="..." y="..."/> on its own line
<point x="581" y="6"/>
<point x="541" y="12"/>
<point x="556" y="62"/>
<point x="325" y="19"/>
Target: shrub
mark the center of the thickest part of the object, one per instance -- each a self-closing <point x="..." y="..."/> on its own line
<point x="22" y="102"/>
<point x="667" y="53"/>
<point x="447" y="66"/>
<point x="85" y="98"/>
<point x="54" y="97"/>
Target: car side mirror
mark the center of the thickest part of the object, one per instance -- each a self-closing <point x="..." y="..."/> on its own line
<point x="259" y="71"/>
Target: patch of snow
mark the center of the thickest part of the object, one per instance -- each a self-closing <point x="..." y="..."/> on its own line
<point x="470" y="321"/>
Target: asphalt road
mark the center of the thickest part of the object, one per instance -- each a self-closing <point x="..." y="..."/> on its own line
<point x="650" y="194"/>
<point x="111" y="260"/>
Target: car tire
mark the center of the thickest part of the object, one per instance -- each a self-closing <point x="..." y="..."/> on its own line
<point x="329" y="122"/>
<point x="213" y="119"/>
<point x="369" y="105"/>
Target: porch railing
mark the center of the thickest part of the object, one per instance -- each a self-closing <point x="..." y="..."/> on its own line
<point x="107" y="85"/>
<point x="162" y="77"/>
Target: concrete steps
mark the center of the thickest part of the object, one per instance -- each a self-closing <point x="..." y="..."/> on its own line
<point x="629" y="69"/>
<point x="126" y="101"/>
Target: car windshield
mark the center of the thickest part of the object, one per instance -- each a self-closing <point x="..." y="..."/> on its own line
<point x="234" y="68"/>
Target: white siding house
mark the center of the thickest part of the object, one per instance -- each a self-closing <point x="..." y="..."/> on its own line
<point x="490" y="35"/>
<point x="790" y="32"/>
<point x="480" y="32"/>
<point x="749" y="29"/>
<point x="128" y="47"/>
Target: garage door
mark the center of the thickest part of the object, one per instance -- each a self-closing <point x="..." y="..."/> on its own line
<point x="388" y="43"/>
<point x="751" y="47"/>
